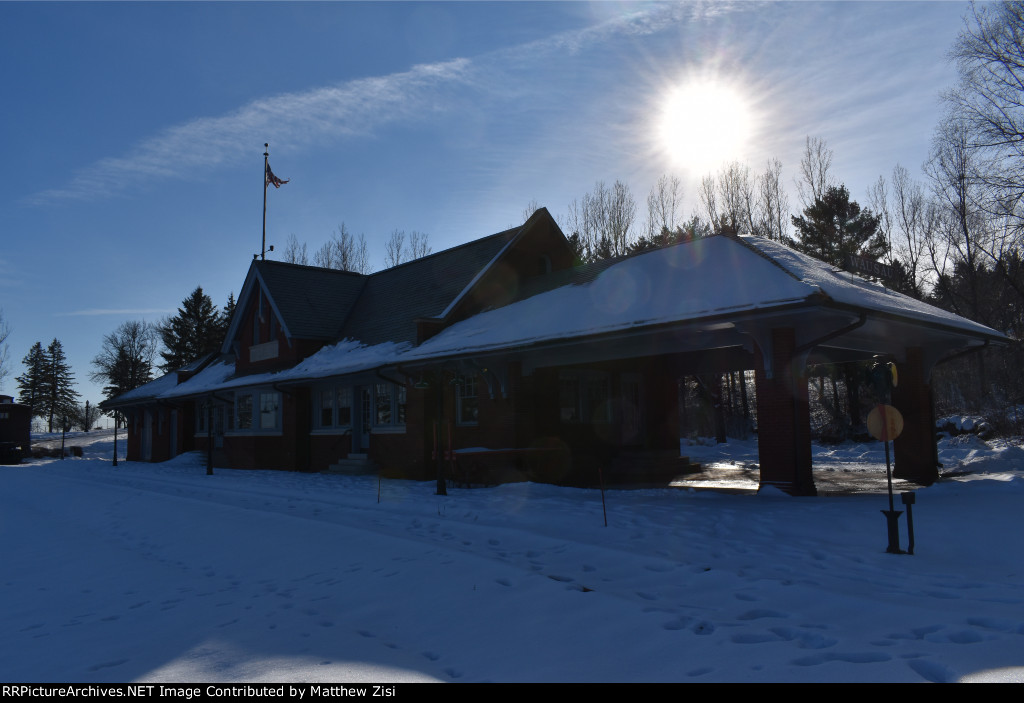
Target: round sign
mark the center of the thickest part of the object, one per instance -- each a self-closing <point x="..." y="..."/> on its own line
<point x="885" y="423"/>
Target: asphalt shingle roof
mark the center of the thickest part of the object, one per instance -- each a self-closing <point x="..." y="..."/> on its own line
<point x="395" y="298"/>
<point x="313" y="302"/>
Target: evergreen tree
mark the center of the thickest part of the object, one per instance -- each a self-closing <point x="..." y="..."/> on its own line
<point x="195" y="331"/>
<point x="32" y="384"/>
<point x="833" y="227"/>
<point x="225" y="317"/>
<point x="60" y="399"/>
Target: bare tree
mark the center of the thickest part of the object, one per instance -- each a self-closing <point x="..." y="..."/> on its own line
<point x="394" y="249"/>
<point x="344" y="252"/>
<point x="419" y="245"/>
<point x="709" y="201"/>
<point x="953" y="170"/>
<point x="910" y="221"/>
<point x="878" y="200"/>
<point x="5" y="332"/>
<point x="815" y="171"/>
<point x="603" y="222"/>
<point x="397" y="250"/>
<point x="663" y="203"/>
<point x="989" y="100"/>
<point x="295" y="253"/>
<point x="772" y="204"/>
<point x="531" y="207"/>
<point x="729" y="199"/>
<point x="126" y="359"/>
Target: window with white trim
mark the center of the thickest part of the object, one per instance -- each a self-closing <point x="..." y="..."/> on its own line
<point x="333" y="407"/>
<point x="467" y="401"/>
<point x="270" y="410"/>
<point x="257" y="411"/>
<point x="389" y="400"/>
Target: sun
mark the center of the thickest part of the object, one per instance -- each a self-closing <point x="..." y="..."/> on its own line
<point x="704" y="123"/>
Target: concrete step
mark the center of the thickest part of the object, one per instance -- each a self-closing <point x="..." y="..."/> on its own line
<point x="353" y="465"/>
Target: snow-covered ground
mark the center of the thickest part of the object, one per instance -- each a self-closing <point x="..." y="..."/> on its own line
<point x="157" y="572"/>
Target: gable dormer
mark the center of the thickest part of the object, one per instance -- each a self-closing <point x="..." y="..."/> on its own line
<point x="538" y="249"/>
<point x="286" y="312"/>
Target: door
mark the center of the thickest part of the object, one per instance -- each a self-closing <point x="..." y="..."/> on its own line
<point x="173" y="450"/>
<point x="363" y="419"/>
<point x="147" y="436"/>
<point x="632" y="417"/>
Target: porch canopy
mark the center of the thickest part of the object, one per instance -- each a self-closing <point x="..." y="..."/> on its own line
<point x="732" y="303"/>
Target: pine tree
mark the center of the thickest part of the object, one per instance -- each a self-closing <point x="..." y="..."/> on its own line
<point x="833" y="227"/>
<point x="32" y="384"/>
<point x="60" y="399"/>
<point x="195" y="331"/>
<point x="225" y="317"/>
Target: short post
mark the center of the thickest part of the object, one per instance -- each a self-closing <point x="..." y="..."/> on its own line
<point x="115" y="437"/>
<point x="909" y="498"/>
<point x="63" y="431"/>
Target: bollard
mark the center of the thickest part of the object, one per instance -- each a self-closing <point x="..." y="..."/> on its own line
<point x="909" y="498"/>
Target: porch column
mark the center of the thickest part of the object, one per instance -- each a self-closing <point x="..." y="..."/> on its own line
<point x="783" y="416"/>
<point x="916" y="453"/>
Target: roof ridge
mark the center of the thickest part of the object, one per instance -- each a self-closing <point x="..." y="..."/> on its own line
<point x="448" y="250"/>
<point x="310" y="268"/>
<point x="763" y="254"/>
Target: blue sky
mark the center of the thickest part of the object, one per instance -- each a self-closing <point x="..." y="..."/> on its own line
<point x="132" y="133"/>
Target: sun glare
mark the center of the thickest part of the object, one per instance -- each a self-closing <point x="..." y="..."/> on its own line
<point x="704" y="124"/>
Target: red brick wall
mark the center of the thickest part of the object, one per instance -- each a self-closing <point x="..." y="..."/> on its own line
<point x="783" y="419"/>
<point x="915" y="451"/>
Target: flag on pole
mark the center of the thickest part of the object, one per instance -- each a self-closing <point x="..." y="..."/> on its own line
<point x="271" y="179"/>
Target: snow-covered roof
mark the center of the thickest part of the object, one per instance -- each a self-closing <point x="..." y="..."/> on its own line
<point x="850" y="289"/>
<point x="711" y="277"/>
<point x="716" y="277"/>
<point x="345" y="357"/>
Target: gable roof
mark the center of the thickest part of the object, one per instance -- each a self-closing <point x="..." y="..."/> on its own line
<point x="710" y="279"/>
<point x="393" y="299"/>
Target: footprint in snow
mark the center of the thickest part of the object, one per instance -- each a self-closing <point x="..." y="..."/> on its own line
<point x="932" y="671"/>
<point x="759" y="613"/>
<point x="108" y="665"/>
<point x="848" y="657"/>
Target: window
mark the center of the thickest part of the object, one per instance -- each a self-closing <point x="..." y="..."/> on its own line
<point x="270" y="403"/>
<point x="258" y="411"/>
<point x="388" y="406"/>
<point x="243" y="411"/>
<point x="400" y="405"/>
<point x="382" y="407"/>
<point x="333" y="407"/>
<point x="583" y="397"/>
<point x="467" y="401"/>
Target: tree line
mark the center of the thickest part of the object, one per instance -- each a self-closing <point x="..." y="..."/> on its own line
<point x="953" y="237"/>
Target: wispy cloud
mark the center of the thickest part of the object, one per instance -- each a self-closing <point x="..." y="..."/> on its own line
<point x="355" y="107"/>
<point x="294" y="119"/>
<point x="124" y="311"/>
